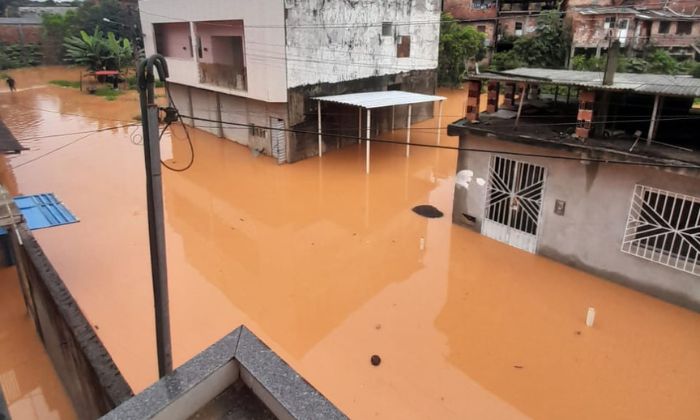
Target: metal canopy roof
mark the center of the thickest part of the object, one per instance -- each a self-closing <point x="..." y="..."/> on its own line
<point x="371" y="100"/>
<point x="652" y="84"/>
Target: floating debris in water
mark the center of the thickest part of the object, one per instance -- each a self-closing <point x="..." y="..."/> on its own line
<point x="428" y="211"/>
<point x="375" y="360"/>
<point x="517" y="366"/>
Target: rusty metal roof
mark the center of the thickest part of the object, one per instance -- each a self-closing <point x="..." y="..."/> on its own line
<point x="607" y="10"/>
<point x="652" y="84"/>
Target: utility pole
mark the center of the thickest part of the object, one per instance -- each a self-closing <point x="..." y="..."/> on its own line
<point x="154" y="192"/>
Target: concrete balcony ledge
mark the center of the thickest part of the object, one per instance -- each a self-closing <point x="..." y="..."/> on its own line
<point x="237" y="377"/>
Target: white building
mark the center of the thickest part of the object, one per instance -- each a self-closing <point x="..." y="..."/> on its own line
<point x="258" y="62"/>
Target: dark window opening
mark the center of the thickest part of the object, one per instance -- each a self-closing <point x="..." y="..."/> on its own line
<point x="664" y="27"/>
<point x="387" y="29"/>
<point x="481" y="28"/>
<point x="403" y="50"/>
<point x="684" y="28"/>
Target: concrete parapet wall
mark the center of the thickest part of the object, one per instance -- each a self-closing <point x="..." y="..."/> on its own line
<point x="87" y="371"/>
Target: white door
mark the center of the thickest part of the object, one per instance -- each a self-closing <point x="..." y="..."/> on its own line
<point x="279" y="140"/>
<point x="513" y="203"/>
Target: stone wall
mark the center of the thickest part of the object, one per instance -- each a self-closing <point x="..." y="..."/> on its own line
<point x="90" y="377"/>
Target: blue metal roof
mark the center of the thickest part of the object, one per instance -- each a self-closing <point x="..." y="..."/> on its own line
<point x="44" y="211"/>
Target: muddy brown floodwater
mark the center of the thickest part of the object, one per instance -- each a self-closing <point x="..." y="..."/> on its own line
<point x="324" y="263"/>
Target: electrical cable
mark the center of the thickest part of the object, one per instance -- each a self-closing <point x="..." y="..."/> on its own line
<point x="456" y="148"/>
<point x="171" y="101"/>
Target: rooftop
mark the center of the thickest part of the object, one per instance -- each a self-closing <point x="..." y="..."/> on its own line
<point x="380" y="99"/>
<point x="653" y="84"/>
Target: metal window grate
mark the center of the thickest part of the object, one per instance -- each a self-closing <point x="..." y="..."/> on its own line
<point x="664" y="227"/>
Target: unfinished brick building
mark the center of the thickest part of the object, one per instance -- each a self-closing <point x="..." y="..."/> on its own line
<point x="673" y="25"/>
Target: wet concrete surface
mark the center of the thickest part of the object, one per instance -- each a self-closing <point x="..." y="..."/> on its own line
<point x="325" y="264"/>
<point x="29" y="383"/>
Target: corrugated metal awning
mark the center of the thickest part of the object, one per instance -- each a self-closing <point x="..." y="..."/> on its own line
<point x="653" y="84"/>
<point x="43" y="211"/>
<point x="371" y="100"/>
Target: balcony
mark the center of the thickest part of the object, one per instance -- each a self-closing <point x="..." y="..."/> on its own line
<point x="223" y="75"/>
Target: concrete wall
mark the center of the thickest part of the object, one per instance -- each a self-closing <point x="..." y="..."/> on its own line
<point x="176" y="40"/>
<point x="589" y="235"/>
<point x="264" y="41"/>
<point x="337" y="41"/>
<point x="90" y="377"/>
<point x="229" y="108"/>
<point x="208" y="32"/>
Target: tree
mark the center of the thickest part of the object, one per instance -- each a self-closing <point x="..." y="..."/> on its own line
<point x="506" y="60"/>
<point x="549" y="45"/>
<point x="111" y="15"/>
<point x="458" y="44"/>
<point x="661" y="62"/>
<point x="56" y="27"/>
<point x="97" y="52"/>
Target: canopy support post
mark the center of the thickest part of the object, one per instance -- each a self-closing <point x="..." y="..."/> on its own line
<point x="439" y="127"/>
<point x="654" y="115"/>
<point x="408" y="131"/>
<point x="320" y="136"/>
<point x="359" y="125"/>
<point x="369" y="120"/>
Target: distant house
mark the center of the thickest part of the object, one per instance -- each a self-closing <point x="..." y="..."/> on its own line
<point x="673" y="25"/>
<point x="29" y="11"/>
<point x="601" y="173"/>
<point x="20" y="30"/>
<point x="260" y="63"/>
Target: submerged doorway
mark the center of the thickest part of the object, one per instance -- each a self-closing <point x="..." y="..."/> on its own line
<point x="513" y="203"/>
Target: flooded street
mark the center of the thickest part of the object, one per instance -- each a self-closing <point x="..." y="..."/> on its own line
<point x="324" y="264"/>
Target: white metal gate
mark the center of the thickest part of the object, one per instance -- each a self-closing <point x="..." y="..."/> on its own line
<point x="513" y="203"/>
<point x="279" y="140"/>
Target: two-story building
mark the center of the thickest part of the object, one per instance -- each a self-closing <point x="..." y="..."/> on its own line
<point x="601" y="173"/>
<point x="673" y="25"/>
<point x="260" y="63"/>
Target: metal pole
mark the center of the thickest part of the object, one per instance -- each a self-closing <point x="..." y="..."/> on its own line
<point x="359" y="126"/>
<point x="320" y="136"/>
<point x="439" y="127"/>
<point x="520" y="106"/>
<point x="154" y="198"/>
<point x="652" y="126"/>
<point x="369" y="121"/>
<point x="393" y="116"/>
<point x="408" y="131"/>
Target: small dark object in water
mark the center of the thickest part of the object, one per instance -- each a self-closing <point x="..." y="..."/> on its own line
<point x="428" y="211"/>
<point x="376" y="360"/>
<point x="517" y="366"/>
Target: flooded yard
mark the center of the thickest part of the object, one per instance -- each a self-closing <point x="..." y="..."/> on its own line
<point x="325" y="264"/>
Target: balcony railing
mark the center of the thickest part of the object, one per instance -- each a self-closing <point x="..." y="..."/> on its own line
<point x="223" y="75"/>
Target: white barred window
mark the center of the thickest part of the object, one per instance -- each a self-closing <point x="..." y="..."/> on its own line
<point x="664" y="227"/>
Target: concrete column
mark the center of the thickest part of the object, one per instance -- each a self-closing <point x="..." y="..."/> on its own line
<point x="586" y="101"/>
<point x="492" y="96"/>
<point x="408" y="131"/>
<point x="473" y="100"/>
<point x="509" y="96"/>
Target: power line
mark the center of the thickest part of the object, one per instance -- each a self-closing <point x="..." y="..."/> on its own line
<point x="466" y="149"/>
<point x="77" y="132"/>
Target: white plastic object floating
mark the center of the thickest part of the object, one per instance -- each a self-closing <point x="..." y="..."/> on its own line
<point x="590" y="317"/>
<point x="422" y="244"/>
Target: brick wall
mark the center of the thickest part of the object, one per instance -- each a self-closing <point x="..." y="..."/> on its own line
<point x="12" y="34"/>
